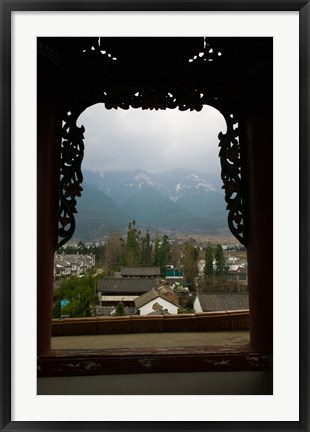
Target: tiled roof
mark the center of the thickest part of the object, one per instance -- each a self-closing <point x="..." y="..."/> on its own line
<point x="146" y="298"/>
<point x="140" y="271"/>
<point x="125" y="286"/>
<point x="152" y="295"/>
<point x="223" y="302"/>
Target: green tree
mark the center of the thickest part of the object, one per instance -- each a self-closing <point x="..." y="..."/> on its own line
<point x="99" y="252"/>
<point x="120" y="310"/>
<point x="162" y="253"/>
<point x="189" y="262"/>
<point x="156" y="251"/>
<point x="146" y="249"/>
<point x="82" y="248"/>
<point x="209" y="270"/>
<point x="220" y="265"/>
<point x="132" y="253"/>
<point x="80" y="294"/>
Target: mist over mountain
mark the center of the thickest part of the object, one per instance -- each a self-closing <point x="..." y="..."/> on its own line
<point x="178" y="200"/>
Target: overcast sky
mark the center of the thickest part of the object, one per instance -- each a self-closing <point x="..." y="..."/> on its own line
<point x="156" y="141"/>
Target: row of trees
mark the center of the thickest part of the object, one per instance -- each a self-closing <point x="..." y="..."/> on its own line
<point x="215" y="264"/>
<point x="215" y="261"/>
<point x="137" y="249"/>
<point x="216" y="271"/>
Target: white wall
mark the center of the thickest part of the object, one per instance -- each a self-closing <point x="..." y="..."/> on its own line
<point x="197" y="305"/>
<point x="148" y="308"/>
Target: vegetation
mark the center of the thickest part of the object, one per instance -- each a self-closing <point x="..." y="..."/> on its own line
<point x="113" y="252"/>
<point x="133" y="243"/>
<point x="77" y="295"/>
<point x="146" y="250"/>
<point x="220" y="264"/>
<point x="189" y="262"/>
<point x="189" y="308"/>
<point x="120" y="310"/>
<point x="209" y="270"/>
<point x="162" y="253"/>
<point x="217" y="285"/>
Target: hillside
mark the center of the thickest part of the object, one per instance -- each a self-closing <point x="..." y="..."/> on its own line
<point x="98" y="214"/>
<point x="175" y="201"/>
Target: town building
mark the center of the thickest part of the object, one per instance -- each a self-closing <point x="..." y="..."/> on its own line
<point x="159" y="300"/>
<point x="67" y="265"/>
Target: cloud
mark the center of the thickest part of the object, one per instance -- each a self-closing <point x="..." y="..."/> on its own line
<point x="156" y="141"/>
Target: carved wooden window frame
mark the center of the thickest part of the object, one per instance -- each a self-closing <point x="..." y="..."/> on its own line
<point x="72" y="150"/>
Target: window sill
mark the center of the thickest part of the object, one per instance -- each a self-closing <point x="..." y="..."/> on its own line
<point x="127" y="361"/>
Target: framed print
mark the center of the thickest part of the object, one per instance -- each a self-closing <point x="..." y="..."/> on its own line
<point x="247" y="60"/>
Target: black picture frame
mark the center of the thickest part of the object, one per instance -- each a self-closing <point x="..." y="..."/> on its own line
<point x="7" y="7"/>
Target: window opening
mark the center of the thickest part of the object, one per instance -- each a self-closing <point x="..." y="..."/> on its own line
<point x="186" y="286"/>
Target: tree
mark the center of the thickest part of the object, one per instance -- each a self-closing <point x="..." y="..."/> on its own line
<point x="81" y="247"/>
<point x="220" y="265"/>
<point x="120" y="310"/>
<point x="162" y="253"/>
<point x="156" y="251"/>
<point x="114" y="251"/>
<point x="99" y="252"/>
<point x="189" y="261"/>
<point x="132" y="253"/>
<point x="209" y="270"/>
<point x="80" y="295"/>
<point x="146" y="249"/>
<point x="176" y="250"/>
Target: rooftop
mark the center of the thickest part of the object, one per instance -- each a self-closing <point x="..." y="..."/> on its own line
<point x="140" y="271"/>
<point x="153" y="294"/>
<point x="223" y="301"/>
<point x="125" y="286"/>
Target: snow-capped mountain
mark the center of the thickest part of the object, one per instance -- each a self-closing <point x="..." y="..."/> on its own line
<point x="180" y="200"/>
<point x="192" y="184"/>
<point x="118" y="184"/>
<point x="195" y="193"/>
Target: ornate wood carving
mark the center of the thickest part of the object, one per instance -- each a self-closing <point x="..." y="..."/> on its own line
<point x="72" y="151"/>
<point x="231" y="175"/>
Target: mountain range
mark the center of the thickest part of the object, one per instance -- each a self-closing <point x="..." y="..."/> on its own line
<point x="178" y="200"/>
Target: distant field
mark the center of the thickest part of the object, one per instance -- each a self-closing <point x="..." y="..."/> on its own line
<point x="223" y="239"/>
